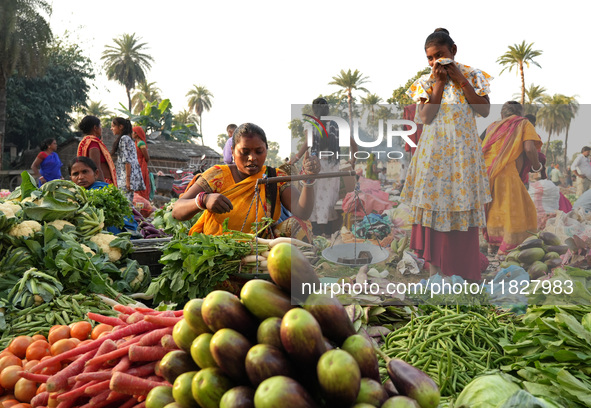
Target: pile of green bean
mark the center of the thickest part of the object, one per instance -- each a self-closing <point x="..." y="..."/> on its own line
<point x="63" y="309"/>
<point x="452" y="346"/>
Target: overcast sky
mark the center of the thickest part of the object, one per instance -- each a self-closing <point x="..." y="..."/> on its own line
<point x="259" y="57"/>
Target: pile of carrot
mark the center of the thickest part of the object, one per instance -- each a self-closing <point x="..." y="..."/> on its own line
<point x="116" y="369"/>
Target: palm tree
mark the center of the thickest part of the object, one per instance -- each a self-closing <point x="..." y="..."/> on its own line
<point x="369" y="102"/>
<point x="24" y="37"/>
<point x="518" y="55"/>
<point x="99" y="110"/>
<point x="349" y="81"/>
<point x="533" y="97"/>
<point x="571" y="106"/>
<point x="552" y="116"/>
<point x="184" y="117"/>
<point x="126" y="63"/>
<point x="199" y="100"/>
<point x="146" y="91"/>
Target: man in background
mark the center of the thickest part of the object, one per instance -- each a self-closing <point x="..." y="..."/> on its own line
<point x="581" y="167"/>
<point x="227" y="152"/>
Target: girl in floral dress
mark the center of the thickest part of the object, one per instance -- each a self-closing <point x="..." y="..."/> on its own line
<point x="447" y="185"/>
<point x="129" y="174"/>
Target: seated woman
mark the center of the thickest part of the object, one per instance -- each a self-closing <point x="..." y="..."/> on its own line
<point x="84" y="172"/>
<point x="227" y="191"/>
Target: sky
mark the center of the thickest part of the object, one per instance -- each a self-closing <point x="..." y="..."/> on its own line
<point x="258" y="58"/>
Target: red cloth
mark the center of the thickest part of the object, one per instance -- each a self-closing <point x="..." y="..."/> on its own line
<point x="409" y="114"/>
<point x="564" y="205"/>
<point x="42" y="155"/>
<point x="455" y="252"/>
<point x="143" y="163"/>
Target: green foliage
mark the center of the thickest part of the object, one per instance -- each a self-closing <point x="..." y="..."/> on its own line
<point x="157" y="116"/>
<point x="39" y="108"/>
<point x="113" y="203"/>
<point x="399" y="97"/>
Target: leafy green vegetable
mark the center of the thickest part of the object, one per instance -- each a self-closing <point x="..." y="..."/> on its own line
<point x="28" y="184"/>
<point x="115" y="205"/>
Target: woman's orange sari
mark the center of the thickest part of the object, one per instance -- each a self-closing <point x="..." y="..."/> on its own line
<point x="241" y="195"/>
<point x="83" y="151"/>
<point x="511" y="216"/>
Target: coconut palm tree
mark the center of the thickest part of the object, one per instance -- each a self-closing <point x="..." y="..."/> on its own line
<point x="100" y="111"/>
<point x="24" y="37"/>
<point x="199" y="101"/>
<point x="126" y="62"/>
<point x="369" y="102"/>
<point x="184" y="117"/>
<point x="571" y="106"/>
<point x="533" y="98"/>
<point x="146" y="91"/>
<point x="552" y="116"/>
<point x="517" y="56"/>
<point x="349" y="81"/>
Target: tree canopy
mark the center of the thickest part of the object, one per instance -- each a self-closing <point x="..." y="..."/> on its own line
<point x="41" y="107"/>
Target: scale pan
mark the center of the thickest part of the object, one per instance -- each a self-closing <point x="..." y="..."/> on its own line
<point x="339" y="252"/>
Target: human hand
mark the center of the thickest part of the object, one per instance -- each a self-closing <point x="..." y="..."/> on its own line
<point x="454" y="73"/>
<point x="217" y="203"/>
<point x="439" y="72"/>
<point x="311" y="164"/>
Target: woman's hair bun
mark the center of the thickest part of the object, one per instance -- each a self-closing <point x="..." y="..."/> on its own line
<point x="441" y="29"/>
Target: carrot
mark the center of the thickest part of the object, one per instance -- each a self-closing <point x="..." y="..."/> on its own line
<point x="59" y="380"/>
<point x="147" y="353"/>
<point x="139" y="327"/>
<point x="120" y="352"/>
<point x="129" y="404"/>
<point x="145" y="310"/>
<point x="110" y="320"/>
<point x="74" y="393"/>
<point x="41" y="378"/>
<point x="154" y="336"/>
<point x="123" y="316"/>
<point x="99" y="400"/>
<point x="140" y="405"/>
<point x="40" y="399"/>
<point x="163" y="321"/>
<point x="66" y="404"/>
<point x="114" y="395"/>
<point x="104" y="348"/>
<point x="122" y="365"/>
<point x="143" y="370"/>
<point x="94" y="376"/>
<point x="124" y="309"/>
<point x="168" y="341"/>
<point x="98" y="388"/>
<point x="131" y="385"/>
<point x="135" y="317"/>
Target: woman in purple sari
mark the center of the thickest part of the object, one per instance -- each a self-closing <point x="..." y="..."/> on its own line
<point x="47" y="164"/>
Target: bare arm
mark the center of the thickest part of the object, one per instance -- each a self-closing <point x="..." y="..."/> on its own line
<point x="532" y="153"/>
<point x="300" y="152"/>
<point x="36" y="166"/>
<point x="304" y="201"/>
<point x="95" y="155"/>
<point x="480" y="104"/>
<point x="185" y="208"/>
<point x="144" y="151"/>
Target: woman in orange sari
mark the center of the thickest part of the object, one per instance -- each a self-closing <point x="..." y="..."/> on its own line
<point x="510" y="145"/>
<point x="143" y="157"/>
<point x="227" y="191"/>
<point x="92" y="146"/>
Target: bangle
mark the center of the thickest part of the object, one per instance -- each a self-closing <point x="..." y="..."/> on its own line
<point x="538" y="170"/>
<point x="464" y="84"/>
<point x="199" y="200"/>
<point x="307" y="183"/>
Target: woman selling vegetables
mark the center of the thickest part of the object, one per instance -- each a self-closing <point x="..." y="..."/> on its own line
<point x="93" y="147"/>
<point x="84" y="172"/>
<point x="226" y="192"/>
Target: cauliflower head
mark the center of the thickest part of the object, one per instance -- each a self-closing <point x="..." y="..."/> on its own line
<point x="60" y="224"/>
<point x="25" y="229"/>
<point x="87" y="249"/>
<point x="103" y="241"/>
<point x="9" y="209"/>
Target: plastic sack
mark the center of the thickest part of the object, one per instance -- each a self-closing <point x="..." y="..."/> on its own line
<point x="410" y="263"/>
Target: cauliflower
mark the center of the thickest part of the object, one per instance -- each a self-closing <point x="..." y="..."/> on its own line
<point x="60" y="224"/>
<point x="25" y="229"/>
<point x="9" y="209"/>
<point x="103" y="241"/>
<point x="138" y="279"/>
<point x="87" y="249"/>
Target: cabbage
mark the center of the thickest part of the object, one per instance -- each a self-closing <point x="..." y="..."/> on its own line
<point x="487" y="391"/>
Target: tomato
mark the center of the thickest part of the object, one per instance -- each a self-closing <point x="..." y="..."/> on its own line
<point x="10" y="402"/>
<point x="9" y="360"/>
<point x="52" y="368"/>
<point x="62" y="345"/>
<point x="9" y="376"/>
<point x="5" y="397"/>
<point x="5" y="352"/>
<point x="81" y="330"/>
<point x="99" y="329"/>
<point x="30" y="363"/>
<point x="58" y="333"/>
<point x="24" y="390"/>
<point x="39" y="337"/>
<point x="18" y="345"/>
<point x="38" y="349"/>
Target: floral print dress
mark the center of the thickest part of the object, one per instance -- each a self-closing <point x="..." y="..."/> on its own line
<point x="447" y="184"/>
<point x="126" y="153"/>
